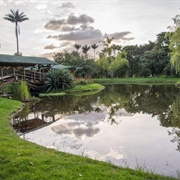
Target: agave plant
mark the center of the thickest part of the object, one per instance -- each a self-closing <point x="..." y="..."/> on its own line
<point x="59" y="79"/>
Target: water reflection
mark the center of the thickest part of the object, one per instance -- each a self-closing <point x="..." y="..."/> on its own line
<point x="76" y="129"/>
<point x="119" y="123"/>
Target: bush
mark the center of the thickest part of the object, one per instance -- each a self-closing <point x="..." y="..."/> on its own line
<point x="20" y="91"/>
<point x="58" y="79"/>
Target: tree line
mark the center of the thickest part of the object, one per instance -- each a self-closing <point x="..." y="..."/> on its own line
<point x="115" y="61"/>
<point x="161" y="57"/>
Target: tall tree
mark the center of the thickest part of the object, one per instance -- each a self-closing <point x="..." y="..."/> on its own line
<point x="77" y="46"/>
<point x="16" y="17"/>
<point x="94" y="46"/>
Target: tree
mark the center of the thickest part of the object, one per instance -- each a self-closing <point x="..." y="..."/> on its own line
<point x="94" y="46"/>
<point x="120" y="65"/>
<point x="134" y="57"/>
<point x="103" y="64"/>
<point x="85" y="49"/>
<point x="107" y="43"/>
<point x="77" y="46"/>
<point x="87" y="67"/>
<point x="16" y="17"/>
<point x="175" y="43"/>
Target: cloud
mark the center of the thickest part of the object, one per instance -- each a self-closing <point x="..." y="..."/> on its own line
<point x="78" y="132"/>
<point x="50" y="47"/>
<point x="68" y="24"/>
<point x="67" y="5"/>
<point x="68" y="28"/>
<point x="93" y="34"/>
<point x="82" y="19"/>
<point x="48" y="55"/>
<point x="77" y="29"/>
<point x="41" y="6"/>
<point x="120" y="35"/>
<point x="88" y="132"/>
<point x="61" y="129"/>
<point x="55" y="24"/>
<point x="65" y="44"/>
<point x="85" y="27"/>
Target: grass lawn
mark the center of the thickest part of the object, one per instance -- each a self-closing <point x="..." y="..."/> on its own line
<point x="23" y="160"/>
<point x="150" y="80"/>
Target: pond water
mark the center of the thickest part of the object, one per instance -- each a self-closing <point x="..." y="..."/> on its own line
<point x="127" y="125"/>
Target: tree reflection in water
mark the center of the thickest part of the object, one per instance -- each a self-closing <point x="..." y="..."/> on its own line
<point x="161" y="101"/>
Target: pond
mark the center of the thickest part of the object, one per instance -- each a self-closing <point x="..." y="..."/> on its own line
<point x="126" y="125"/>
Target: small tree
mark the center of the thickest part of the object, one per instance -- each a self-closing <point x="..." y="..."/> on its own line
<point x="118" y="63"/>
<point x="20" y="91"/>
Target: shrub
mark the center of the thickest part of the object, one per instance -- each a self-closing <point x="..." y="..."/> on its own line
<point x="20" y="91"/>
<point x="59" y="79"/>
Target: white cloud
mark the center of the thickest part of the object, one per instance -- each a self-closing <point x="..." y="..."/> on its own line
<point x="41" y="6"/>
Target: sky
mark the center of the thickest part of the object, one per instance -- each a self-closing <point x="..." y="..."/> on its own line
<point x="55" y="26"/>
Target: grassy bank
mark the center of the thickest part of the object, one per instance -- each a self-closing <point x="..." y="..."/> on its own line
<point x="150" y="80"/>
<point x="78" y="90"/>
<point x="22" y="160"/>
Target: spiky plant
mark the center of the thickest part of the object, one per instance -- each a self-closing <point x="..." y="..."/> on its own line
<point x="59" y="79"/>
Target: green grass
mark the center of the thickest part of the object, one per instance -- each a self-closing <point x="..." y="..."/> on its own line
<point x="79" y="90"/>
<point x="52" y="94"/>
<point x="23" y="160"/>
<point x="88" y="87"/>
<point x="150" y="80"/>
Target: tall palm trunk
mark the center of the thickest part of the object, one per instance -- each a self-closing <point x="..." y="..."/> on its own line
<point x="17" y="39"/>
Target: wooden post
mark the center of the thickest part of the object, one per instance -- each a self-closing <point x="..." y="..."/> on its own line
<point x="24" y="74"/>
<point x="34" y="75"/>
<point x="1" y="73"/>
<point x="14" y="72"/>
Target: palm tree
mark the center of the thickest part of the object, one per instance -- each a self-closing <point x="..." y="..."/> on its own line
<point x="115" y="48"/>
<point x="77" y="46"/>
<point x="107" y="43"/>
<point x="94" y="46"/>
<point x="85" y="49"/>
<point x="16" y="17"/>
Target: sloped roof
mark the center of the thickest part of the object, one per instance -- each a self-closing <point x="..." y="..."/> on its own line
<point x="24" y="60"/>
<point x="59" y="66"/>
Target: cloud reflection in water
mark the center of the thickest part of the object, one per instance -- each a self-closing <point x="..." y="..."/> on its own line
<point x="78" y="129"/>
